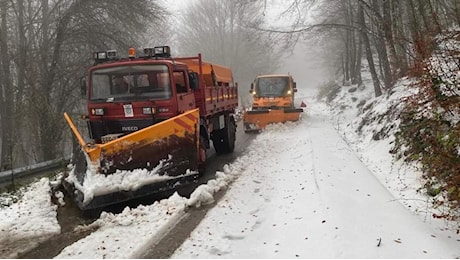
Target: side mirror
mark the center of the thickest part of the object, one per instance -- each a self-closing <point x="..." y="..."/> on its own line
<point x="193" y="80"/>
<point x="252" y="88"/>
<point x="83" y="86"/>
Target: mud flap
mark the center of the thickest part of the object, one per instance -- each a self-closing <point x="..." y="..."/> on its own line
<point x="256" y="120"/>
<point x="170" y="148"/>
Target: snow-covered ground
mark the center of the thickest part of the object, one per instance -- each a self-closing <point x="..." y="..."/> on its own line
<point x="310" y="189"/>
<point x="29" y="221"/>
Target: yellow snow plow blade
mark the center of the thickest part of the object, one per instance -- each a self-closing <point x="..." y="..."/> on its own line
<point x="170" y="148"/>
<point x="136" y="148"/>
<point x="255" y="120"/>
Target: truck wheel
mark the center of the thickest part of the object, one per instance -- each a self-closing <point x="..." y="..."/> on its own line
<point x="224" y="139"/>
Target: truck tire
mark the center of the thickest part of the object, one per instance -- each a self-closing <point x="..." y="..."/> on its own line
<point x="224" y="139"/>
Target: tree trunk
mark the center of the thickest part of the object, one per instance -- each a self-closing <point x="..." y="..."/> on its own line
<point x="346" y="62"/>
<point x="394" y="59"/>
<point x="400" y="37"/>
<point x="415" y="29"/>
<point x="6" y="95"/>
<point x="21" y="61"/>
<point x="357" y="68"/>
<point x="367" y="47"/>
<point x="380" y="47"/>
<point x="434" y="14"/>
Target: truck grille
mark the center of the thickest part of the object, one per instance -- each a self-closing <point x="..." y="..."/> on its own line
<point x="105" y="131"/>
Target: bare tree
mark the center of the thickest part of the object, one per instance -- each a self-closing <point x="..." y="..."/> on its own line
<point x="6" y="102"/>
<point x="367" y="47"/>
<point x="401" y="33"/>
<point x="46" y="47"/>
<point x="224" y="32"/>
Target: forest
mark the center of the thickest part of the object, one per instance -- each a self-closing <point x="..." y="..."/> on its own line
<point x="46" y="47"/>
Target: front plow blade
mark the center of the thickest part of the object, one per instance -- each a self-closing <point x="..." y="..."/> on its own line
<point x="256" y="120"/>
<point x="166" y="152"/>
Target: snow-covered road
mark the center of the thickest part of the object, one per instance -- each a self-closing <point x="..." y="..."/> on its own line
<point x="306" y="194"/>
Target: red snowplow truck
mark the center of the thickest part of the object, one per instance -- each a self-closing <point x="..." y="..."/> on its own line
<point x="151" y="112"/>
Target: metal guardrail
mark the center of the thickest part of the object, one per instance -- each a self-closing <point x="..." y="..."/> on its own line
<point x="28" y="171"/>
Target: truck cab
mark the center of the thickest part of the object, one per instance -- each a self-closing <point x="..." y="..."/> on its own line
<point x="128" y="94"/>
<point x="273" y="91"/>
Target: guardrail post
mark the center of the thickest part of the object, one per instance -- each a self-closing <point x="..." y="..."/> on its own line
<point x="12" y="179"/>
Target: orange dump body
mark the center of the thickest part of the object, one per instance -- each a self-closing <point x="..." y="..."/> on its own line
<point x="217" y="92"/>
<point x="212" y="73"/>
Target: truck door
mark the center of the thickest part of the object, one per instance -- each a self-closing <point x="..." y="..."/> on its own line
<point x="185" y="97"/>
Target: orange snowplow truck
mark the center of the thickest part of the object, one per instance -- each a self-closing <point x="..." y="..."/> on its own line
<point x="273" y="102"/>
<point x="151" y="112"/>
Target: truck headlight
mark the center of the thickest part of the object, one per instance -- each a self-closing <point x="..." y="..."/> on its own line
<point x="112" y="55"/>
<point x="148" y="110"/>
<point x="97" y="111"/>
<point x="162" y="51"/>
<point x="104" y="56"/>
<point x="100" y="55"/>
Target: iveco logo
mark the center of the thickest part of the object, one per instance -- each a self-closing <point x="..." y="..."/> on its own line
<point x="129" y="128"/>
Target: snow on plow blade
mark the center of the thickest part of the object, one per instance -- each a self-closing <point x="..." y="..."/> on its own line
<point x="255" y="120"/>
<point x="154" y="159"/>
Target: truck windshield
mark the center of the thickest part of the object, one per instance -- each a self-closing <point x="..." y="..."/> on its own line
<point x="272" y="87"/>
<point x="131" y="82"/>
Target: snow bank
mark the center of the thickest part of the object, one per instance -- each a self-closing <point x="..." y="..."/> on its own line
<point x="30" y="221"/>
